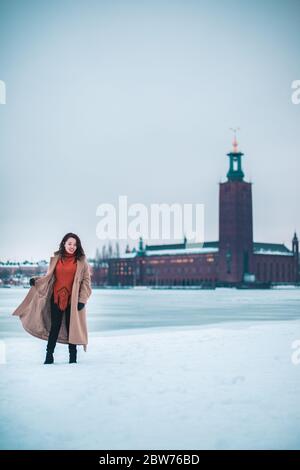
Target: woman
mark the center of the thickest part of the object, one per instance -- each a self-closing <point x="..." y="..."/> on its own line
<point x="55" y="307"/>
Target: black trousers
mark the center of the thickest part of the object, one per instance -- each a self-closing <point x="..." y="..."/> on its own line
<point x="56" y="319"/>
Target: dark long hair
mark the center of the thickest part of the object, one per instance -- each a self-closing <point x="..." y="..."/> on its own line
<point x="79" y="250"/>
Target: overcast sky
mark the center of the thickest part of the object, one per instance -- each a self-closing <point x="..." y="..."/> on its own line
<point x="136" y="98"/>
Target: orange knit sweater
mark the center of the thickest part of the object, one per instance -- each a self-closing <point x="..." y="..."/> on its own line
<point x="65" y="270"/>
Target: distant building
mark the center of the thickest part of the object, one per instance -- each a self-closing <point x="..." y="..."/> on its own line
<point x="234" y="260"/>
<point x="14" y="273"/>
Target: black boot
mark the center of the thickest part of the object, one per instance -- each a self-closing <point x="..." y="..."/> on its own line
<point x="72" y="353"/>
<point x="49" y="358"/>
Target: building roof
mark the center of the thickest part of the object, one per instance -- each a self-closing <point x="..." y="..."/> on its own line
<point x="208" y="247"/>
<point x="182" y="251"/>
<point x="176" y="249"/>
<point x="131" y="254"/>
<point x="271" y="249"/>
<point x="204" y="245"/>
<point x="170" y="246"/>
<point x="23" y="264"/>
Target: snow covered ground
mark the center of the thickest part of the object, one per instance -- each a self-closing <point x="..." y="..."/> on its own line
<point x="223" y="386"/>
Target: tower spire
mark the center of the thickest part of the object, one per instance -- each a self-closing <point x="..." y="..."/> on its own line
<point x="235" y="172"/>
<point x="234" y="143"/>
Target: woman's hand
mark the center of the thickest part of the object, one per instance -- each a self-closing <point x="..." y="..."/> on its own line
<point x="80" y="305"/>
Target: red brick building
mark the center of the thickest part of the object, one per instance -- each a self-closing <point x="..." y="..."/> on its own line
<point x="234" y="260"/>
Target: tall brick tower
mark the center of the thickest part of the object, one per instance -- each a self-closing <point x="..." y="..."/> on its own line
<point x="235" y="223"/>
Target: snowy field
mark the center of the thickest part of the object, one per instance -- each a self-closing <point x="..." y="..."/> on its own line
<point x="175" y="385"/>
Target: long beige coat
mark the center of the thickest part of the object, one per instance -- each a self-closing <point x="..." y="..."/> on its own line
<point x="35" y="310"/>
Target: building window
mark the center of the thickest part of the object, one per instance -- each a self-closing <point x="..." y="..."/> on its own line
<point x="258" y="270"/>
<point x="228" y="261"/>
